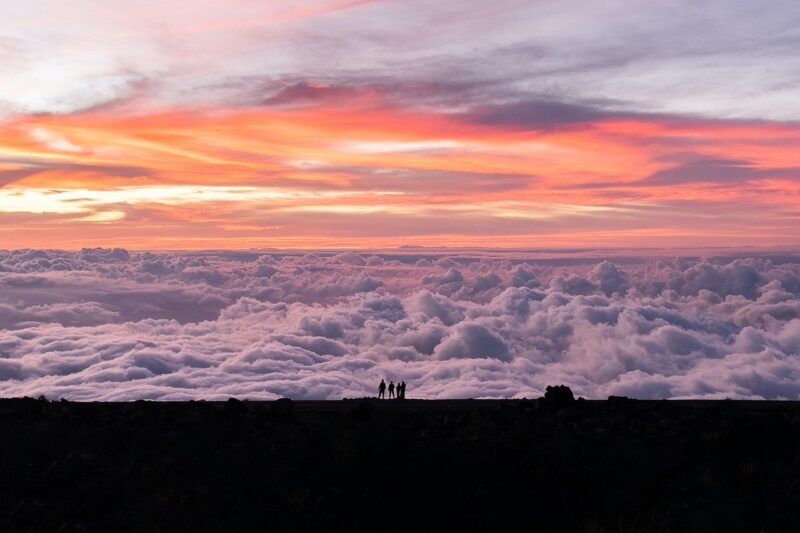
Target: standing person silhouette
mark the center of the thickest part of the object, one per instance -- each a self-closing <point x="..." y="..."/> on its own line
<point x="402" y="390"/>
<point x="391" y="389"/>
<point x="382" y="390"/>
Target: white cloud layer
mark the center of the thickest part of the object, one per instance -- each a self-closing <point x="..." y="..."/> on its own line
<point x="113" y="325"/>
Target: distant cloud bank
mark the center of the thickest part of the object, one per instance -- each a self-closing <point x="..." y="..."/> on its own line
<point x="104" y="324"/>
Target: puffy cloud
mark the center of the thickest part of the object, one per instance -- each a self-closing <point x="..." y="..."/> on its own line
<point x="737" y="277"/>
<point x="264" y="267"/>
<point x="515" y="301"/>
<point x="524" y="277"/>
<point x="349" y="258"/>
<point x="486" y="282"/>
<point x="470" y="340"/>
<point x="609" y="278"/>
<point x="452" y="277"/>
<point x="424" y="338"/>
<point x="435" y="306"/>
<point x="572" y="284"/>
<point x="116" y="325"/>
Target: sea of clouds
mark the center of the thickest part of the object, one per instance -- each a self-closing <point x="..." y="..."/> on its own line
<point x="104" y="324"/>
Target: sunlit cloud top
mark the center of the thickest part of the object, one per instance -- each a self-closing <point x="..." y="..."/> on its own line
<point x="370" y="123"/>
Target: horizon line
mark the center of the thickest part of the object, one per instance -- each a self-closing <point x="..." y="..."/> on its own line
<point x="795" y="248"/>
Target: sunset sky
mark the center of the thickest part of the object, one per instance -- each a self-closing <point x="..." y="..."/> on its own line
<point x="373" y="124"/>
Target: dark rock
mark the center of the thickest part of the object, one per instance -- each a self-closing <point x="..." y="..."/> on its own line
<point x="283" y="407"/>
<point x="558" y="396"/>
<point x="618" y="399"/>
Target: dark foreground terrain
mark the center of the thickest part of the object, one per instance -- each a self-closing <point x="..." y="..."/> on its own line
<point x="410" y="465"/>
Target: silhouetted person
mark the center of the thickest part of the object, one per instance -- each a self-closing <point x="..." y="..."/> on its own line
<point x="403" y="390"/>
<point x="382" y="390"/>
<point x="391" y="389"/>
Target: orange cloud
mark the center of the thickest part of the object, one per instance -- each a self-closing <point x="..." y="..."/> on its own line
<point x="377" y="175"/>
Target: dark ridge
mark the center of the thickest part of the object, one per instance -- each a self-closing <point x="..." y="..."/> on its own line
<point x="552" y="464"/>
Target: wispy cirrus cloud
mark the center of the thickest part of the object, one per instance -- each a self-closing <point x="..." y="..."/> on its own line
<point x="708" y="169"/>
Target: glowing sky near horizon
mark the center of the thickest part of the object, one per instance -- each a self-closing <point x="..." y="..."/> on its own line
<point x="359" y="123"/>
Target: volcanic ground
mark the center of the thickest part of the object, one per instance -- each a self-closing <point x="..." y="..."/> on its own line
<point x="400" y="465"/>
